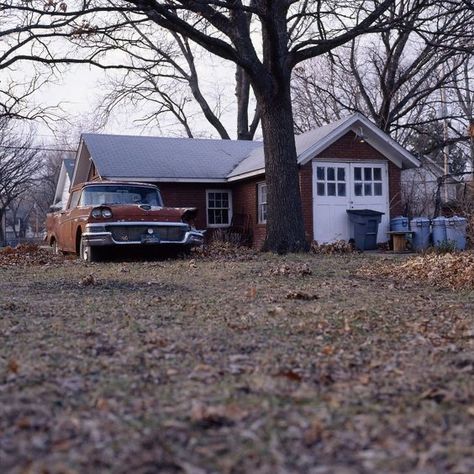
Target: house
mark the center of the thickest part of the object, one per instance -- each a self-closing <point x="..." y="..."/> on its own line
<point x="63" y="185"/>
<point x="348" y="164"/>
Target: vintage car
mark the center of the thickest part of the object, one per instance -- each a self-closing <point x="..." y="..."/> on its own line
<point x="123" y="215"/>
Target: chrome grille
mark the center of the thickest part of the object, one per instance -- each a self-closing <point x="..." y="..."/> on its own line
<point x="133" y="233"/>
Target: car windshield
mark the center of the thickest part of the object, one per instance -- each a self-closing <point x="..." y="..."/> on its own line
<point x="120" y="194"/>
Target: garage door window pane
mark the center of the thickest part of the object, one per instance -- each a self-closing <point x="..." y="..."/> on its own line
<point x="367" y="174"/>
<point x="341" y="174"/>
<point x="320" y="188"/>
<point x="367" y="189"/>
<point x="358" y="174"/>
<point x="377" y="189"/>
<point x="358" y="189"/>
<point x="341" y="189"/>
<point x="331" y="189"/>
<point x="331" y="174"/>
<point x="377" y="174"/>
<point x="320" y="173"/>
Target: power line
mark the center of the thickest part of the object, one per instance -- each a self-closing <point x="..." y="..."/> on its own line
<point x="7" y="147"/>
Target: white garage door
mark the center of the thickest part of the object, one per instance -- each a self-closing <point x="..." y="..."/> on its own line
<point x="340" y="186"/>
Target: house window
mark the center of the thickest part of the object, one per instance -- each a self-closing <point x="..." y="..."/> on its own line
<point x="367" y="181"/>
<point x="262" y="203"/>
<point x="219" y="207"/>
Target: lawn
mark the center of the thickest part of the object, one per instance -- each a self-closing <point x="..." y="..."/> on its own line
<point x="254" y="364"/>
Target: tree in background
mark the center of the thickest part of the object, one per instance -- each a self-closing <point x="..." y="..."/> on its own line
<point x="412" y="83"/>
<point x="20" y="164"/>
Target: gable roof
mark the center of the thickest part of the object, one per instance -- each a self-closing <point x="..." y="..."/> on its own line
<point x="142" y="158"/>
<point x="315" y="141"/>
<point x="158" y="158"/>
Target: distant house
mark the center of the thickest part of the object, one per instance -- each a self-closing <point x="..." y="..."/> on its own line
<point x="63" y="185"/>
<point x="420" y="186"/>
<point x="349" y="164"/>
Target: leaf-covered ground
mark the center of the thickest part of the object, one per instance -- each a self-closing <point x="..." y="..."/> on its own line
<point x="259" y="364"/>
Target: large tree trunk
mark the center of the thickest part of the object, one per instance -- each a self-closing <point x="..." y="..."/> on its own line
<point x="285" y="227"/>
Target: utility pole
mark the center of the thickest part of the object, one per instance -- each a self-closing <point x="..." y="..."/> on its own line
<point x="444" y="113"/>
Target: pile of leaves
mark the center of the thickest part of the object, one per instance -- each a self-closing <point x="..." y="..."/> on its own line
<point x="338" y="247"/>
<point x="28" y="255"/>
<point x="453" y="270"/>
<point x="219" y="250"/>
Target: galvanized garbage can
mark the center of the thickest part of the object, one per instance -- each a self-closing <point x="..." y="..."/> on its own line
<point x="365" y="225"/>
<point x="399" y="224"/>
<point x="420" y="226"/>
<point x="456" y="232"/>
<point x="439" y="231"/>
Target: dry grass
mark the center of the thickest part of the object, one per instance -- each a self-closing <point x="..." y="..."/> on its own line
<point x="257" y="364"/>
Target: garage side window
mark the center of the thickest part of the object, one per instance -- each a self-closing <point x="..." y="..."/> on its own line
<point x="368" y="181"/>
<point x="219" y="207"/>
<point x="330" y="181"/>
<point x="262" y="203"/>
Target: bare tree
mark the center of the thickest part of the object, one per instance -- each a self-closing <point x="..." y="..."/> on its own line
<point x="280" y="35"/>
<point x="394" y="77"/>
<point x="19" y="166"/>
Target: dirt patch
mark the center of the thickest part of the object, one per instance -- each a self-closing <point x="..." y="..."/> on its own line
<point x="233" y="366"/>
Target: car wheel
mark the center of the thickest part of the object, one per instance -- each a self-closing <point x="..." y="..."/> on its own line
<point x="86" y="252"/>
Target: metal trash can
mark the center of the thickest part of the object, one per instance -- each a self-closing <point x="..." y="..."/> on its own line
<point x="456" y="232"/>
<point x="365" y="225"/>
<point x="420" y="226"/>
<point x="439" y="231"/>
<point x="399" y="224"/>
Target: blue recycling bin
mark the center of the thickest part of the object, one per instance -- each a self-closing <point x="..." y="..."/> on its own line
<point x="439" y="231"/>
<point x="399" y="224"/>
<point x="365" y="225"/>
<point x="456" y="232"/>
<point x="420" y="226"/>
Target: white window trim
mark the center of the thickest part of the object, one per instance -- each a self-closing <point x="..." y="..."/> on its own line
<point x="259" y="203"/>
<point x="229" y="194"/>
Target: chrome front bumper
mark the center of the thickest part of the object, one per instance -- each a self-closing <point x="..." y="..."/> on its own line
<point x="95" y="237"/>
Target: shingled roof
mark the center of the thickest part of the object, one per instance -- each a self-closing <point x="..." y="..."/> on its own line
<point x="185" y="159"/>
<point x="150" y="158"/>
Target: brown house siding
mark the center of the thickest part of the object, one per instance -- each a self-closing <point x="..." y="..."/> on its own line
<point x="244" y="195"/>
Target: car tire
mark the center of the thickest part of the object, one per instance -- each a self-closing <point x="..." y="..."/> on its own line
<point x="87" y="253"/>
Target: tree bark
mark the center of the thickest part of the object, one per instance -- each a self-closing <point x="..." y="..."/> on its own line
<point x="285" y="226"/>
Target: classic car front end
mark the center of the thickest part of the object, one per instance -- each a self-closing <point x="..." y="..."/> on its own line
<point x="122" y="215"/>
<point x="139" y="233"/>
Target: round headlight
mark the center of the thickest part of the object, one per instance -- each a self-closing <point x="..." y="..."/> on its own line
<point x="96" y="214"/>
<point x="106" y="213"/>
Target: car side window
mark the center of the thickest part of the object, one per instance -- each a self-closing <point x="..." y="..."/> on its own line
<point x="74" y="201"/>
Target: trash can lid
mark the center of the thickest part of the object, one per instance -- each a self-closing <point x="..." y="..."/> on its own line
<point x="457" y="219"/>
<point x="420" y="220"/>
<point x="364" y="212"/>
<point x="439" y="220"/>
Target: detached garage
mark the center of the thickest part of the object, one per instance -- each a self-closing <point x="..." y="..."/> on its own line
<point x="349" y="164"/>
